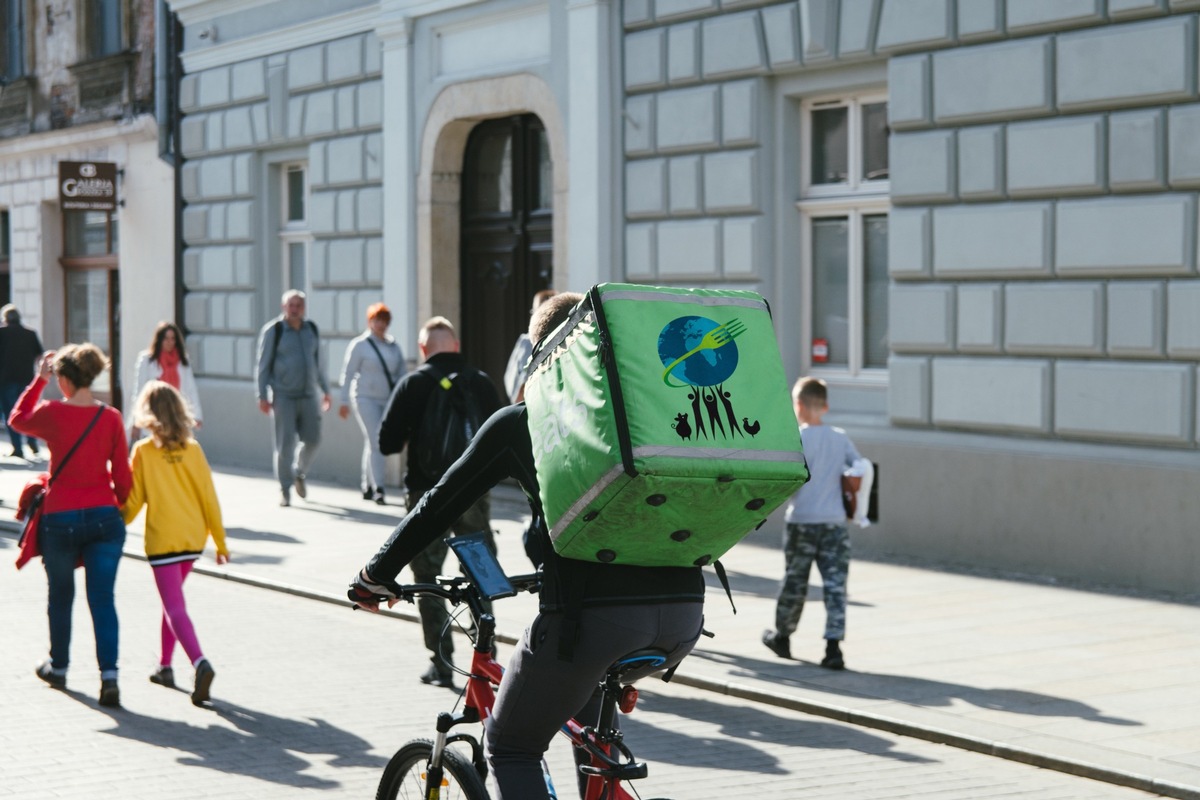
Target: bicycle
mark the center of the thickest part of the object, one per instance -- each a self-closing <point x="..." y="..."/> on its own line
<point x="432" y="769"/>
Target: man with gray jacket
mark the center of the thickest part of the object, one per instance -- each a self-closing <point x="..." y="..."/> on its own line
<point x="290" y="370"/>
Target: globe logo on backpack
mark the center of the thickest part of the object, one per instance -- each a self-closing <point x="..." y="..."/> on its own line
<point x="699" y="354"/>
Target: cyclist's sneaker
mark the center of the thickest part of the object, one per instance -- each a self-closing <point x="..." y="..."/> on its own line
<point x="433" y="677"/>
<point x="163" y="676"/>
<point x="363" y="590"/>
<point x="47" y="673"/>
<point x="779" y="645"/>
<point x="204" y="678"/>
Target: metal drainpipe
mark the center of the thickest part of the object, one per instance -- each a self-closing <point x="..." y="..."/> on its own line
<point x="167" y="76"/>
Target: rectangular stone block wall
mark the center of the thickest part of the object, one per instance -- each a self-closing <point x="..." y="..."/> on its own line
<point x="1044" y="224"/>
<point x="324" y="101"/>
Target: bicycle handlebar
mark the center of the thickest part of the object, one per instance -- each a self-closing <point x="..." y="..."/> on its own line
<point x="457" y="588"/>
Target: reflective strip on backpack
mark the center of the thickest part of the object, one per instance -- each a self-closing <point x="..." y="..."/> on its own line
<point x="580" y="505"/>
<point x="699" y="300"/>
<point x="722" y="453"/>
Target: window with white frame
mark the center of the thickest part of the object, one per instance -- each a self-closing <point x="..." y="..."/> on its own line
<point x="844" y="222"/>
<point x="294" y="232"/>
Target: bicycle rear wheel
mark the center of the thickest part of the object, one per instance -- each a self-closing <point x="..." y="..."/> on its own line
<point x="404" y="776"/>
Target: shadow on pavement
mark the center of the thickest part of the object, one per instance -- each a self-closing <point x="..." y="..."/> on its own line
<point x="351" y="515"/>
<point x="740" y="730"/>
<point x="915" y="691"/>
<point x="760" y="586"/>
<point x="250" y="535"/>
<point x="263" y="746"/>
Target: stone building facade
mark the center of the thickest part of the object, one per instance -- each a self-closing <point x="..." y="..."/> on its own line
<point x="80" y="85"/>
<point x="976" y="219"/>
<point x="1035" y="405"/>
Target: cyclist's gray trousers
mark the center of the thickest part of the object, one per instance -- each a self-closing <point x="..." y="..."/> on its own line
<point x="540" y="692"/>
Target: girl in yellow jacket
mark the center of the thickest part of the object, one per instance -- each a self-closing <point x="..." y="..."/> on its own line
<point x="172" y="479"/>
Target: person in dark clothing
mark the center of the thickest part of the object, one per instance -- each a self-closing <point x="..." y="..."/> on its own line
<point x="590" y="614"/>
<point x="20" y="348"/>
<point x="408" y="408"/>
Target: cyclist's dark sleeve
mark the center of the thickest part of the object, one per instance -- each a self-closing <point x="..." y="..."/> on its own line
<point x="500" y="450"/>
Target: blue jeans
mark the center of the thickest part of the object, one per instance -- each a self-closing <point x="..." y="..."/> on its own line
<point x="95" y="536"/>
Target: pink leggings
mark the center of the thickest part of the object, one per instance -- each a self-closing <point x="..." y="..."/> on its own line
<point x="176" y="624"/>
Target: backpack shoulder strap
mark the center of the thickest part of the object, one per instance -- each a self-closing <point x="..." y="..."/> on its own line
<point x="277" y="330"/>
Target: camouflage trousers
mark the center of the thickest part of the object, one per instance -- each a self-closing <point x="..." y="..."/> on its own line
<point x="829" y="546"/>
<point x="428" y="564"/>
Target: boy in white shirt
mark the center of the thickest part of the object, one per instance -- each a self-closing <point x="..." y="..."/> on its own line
<point x="816" y="528"/>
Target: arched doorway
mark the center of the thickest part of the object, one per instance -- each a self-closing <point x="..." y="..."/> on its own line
<point x="506" y="235"/>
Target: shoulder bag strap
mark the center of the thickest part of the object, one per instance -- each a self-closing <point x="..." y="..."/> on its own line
<point x="386" y="372"/>
<point x="75" y="446"/>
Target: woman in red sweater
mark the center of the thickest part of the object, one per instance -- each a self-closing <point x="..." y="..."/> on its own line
<point x="81" y="517"/>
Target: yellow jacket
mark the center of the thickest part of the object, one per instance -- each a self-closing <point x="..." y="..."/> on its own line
<point x="177" y="487"/>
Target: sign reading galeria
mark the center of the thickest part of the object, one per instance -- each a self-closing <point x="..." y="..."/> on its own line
<point x="87" y="185"/>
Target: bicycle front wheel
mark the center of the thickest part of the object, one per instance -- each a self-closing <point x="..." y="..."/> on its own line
<point x="405" y="775"/>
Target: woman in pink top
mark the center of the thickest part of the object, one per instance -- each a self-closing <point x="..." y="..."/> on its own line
<point x="81" y="518"/>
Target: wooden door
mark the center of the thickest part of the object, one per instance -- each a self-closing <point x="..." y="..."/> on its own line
<point x="507" y="248"/>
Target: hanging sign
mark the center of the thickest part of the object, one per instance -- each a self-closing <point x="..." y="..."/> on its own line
<point x="87" y="185"/>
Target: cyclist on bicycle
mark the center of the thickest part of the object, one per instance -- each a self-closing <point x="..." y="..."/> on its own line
<point x="590" y="614"/>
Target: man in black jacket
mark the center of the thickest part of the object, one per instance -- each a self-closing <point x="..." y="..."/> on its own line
<point x="590" y="613"/>
<point x="19" y="349"/>
<point x="417" y="415"/>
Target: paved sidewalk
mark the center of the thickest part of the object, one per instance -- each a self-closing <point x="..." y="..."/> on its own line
<point x="1100" y="685"/>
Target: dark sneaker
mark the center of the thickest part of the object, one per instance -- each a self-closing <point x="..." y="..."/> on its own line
<point x="368" y="494"/>
<point x="164" y="676"/>
<point x="204" y="678"/>
<point x="110" y="695"/>
<point x="779" y="645"/>
<point x="377" y="496"/>
<point x="434" y="678"/>
<point x="301" y="487"/>
<point x="33" y="448"/>
<point x="47" y="673"/>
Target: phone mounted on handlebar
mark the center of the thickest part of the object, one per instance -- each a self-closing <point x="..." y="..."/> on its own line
<point x="481" y="566"/>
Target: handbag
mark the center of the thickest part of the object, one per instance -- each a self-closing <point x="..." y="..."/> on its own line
<point x="33" y="495"/>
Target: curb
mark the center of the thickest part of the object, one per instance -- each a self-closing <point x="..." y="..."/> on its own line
<point x="831" y="711"/>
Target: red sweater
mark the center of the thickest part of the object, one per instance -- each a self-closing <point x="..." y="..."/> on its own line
<point x="98" y="473"/>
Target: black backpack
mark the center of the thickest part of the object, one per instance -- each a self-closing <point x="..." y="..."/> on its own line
<point x="451" y="419"/>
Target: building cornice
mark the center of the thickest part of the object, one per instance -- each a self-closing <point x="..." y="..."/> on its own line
<point x="191" y="12"/>
<point x="308" y="33"/>
<point x="140" y="128"/>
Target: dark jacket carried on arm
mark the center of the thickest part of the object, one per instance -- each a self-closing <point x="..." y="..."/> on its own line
<point x="500" y="450"/>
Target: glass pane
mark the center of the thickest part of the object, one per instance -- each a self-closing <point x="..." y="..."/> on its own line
<point x="875" y="301"/>
<point x="295" y="194"/>
<point x="831" y="294"/>
<point x="493" y="173"/>
<point x="87" y="233"/>
<point x="87" y="315"/>
<point x="875" y="141"/>
<point x="830" y="137"/>
<point x="12" y="39"/>
<point x="104" y="27"/>
<point x="5" y="241"/>
<point x="297" y="266"/>
<point x="545" y="173"/>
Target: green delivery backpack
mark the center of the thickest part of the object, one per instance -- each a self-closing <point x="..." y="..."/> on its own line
<point x="662" y="425"/>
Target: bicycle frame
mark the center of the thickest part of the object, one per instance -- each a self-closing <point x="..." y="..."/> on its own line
<point x="604" y="772"/>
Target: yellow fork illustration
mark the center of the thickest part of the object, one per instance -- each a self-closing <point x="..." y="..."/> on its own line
<point x="715" y="339"/>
